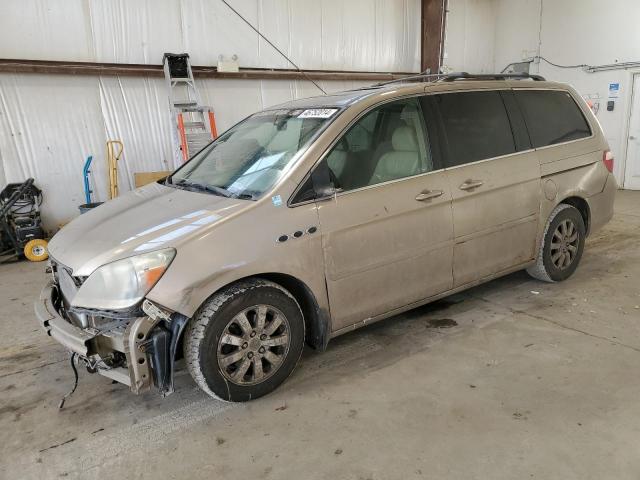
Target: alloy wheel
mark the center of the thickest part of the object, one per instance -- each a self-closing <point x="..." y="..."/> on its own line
<point x="564" y="244"/>
<point x="253" y="345"/>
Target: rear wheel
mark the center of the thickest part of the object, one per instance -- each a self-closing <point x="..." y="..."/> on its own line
<point x="36" y="250"/>
<point x="562" y="245"/>
<point x="245" y="340"/>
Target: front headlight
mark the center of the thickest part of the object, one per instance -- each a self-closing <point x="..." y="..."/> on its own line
<point x="123" y="283"/>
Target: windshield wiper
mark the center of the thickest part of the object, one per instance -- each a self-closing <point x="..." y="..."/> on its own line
<point x="203" y="187"/>
<point x="181" y="183"/>
<point x="223" y="192"/>
<point x="217" y="190"/>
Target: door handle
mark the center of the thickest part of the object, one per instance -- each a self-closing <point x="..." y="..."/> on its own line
<point x="428" y="194"/>
<point x="471" y="184"/>
<point x="631" y="137"/>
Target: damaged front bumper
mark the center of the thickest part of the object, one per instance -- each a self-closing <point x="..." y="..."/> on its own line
<point x="138" y="351"/>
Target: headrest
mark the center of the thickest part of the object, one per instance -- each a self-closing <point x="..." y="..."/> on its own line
<point x="404" y="140"/>
<point x="284" y="140"/>
<point x="409" y="113"/>
<point x="263" y="134"/>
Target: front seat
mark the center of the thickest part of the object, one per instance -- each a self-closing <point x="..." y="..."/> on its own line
<point x="402" y="161"/>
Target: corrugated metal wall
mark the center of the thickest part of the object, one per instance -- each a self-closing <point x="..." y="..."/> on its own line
<point x="50" y="123"/>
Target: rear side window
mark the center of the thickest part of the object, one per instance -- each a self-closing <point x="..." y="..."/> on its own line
<point x="475" y="126"/>
<point x="552" y="117"/>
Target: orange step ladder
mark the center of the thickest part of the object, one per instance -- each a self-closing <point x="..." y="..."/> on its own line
<point x="194" y="124"/>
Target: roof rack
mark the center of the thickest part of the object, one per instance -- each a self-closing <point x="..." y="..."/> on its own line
<point x="408" y="78"/>
<point x="451" y="77"/>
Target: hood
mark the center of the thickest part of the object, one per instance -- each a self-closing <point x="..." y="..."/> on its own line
<point x="148" y="218"/>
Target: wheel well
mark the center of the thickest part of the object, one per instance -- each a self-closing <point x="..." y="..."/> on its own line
<point x="316" y="321"/>
<point x="583" y="207"/>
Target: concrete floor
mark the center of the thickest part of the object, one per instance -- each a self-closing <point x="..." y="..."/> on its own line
<point x="535" y="381"/>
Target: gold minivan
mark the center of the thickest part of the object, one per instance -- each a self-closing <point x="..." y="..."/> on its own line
<point x="318" y="216"/>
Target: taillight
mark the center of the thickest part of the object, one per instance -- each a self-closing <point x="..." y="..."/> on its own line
<point x="607" y="159"/>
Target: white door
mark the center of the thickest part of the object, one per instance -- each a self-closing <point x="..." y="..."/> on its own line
<point x="632" y="165"/>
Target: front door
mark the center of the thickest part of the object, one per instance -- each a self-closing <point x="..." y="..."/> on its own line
<point x="632" y="165"/>
<point x="494" y="178"/>
<point x="387" y="232"/>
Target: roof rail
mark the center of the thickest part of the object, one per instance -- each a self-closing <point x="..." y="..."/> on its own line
<point x="451" y="77"/>
<point x="408" y="78"/>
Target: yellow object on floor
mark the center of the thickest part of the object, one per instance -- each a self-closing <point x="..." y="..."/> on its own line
<point x="36" y="250"/>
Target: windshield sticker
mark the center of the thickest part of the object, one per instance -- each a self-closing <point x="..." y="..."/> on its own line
<point x="318" y="113"/>
<point x="277" y="200"/>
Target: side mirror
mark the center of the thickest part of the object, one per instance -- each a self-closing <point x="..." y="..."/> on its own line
<point x="322" y="183"/>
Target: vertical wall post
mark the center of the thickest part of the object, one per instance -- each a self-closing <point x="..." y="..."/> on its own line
<point x="432" y="34"/>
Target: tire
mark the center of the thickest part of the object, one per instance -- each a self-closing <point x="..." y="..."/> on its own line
<point x="237" y="360"/>
<point x="562" y="245"/>
<point x="36" y="250"/>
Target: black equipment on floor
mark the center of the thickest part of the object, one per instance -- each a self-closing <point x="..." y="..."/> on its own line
<point x="21" y="230"/>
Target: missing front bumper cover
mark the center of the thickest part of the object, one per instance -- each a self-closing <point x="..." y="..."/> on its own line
<point x="148" y="342"/>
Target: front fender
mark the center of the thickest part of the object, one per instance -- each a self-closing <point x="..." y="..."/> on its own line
<point x="243" y="247"/>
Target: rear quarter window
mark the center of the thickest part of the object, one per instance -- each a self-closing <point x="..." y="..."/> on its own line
<point x="552" y="117"/>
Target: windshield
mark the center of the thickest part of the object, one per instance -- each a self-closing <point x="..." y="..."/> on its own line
<point x="249" y="158"/>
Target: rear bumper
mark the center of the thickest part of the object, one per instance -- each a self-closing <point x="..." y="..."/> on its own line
<point x="601" y="205"/>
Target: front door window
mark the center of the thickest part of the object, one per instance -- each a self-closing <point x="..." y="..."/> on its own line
<point x="387" y="143"/>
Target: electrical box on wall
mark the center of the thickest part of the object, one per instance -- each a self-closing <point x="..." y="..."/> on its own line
<point x="614" y="94"/>
<point x="228" y="64"/>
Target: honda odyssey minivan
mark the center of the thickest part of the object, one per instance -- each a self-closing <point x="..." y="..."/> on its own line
<point x="318" y="216"/>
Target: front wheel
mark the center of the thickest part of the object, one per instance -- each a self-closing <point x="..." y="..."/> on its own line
<point x="562" y="245"/>
<point x="245" y="340"/>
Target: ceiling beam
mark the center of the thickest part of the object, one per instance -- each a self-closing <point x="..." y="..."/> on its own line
<point x="432" y="34"/>
<point x="135" y="69"/>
